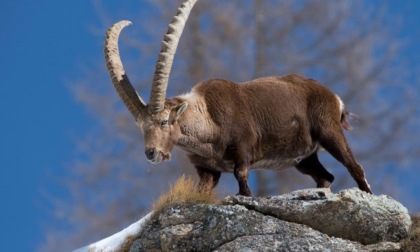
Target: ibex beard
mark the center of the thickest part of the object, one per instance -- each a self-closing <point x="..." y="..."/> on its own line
<point x="272" y="122"/>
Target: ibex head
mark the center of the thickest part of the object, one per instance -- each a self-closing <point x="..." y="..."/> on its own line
<point x="159" y="119"/>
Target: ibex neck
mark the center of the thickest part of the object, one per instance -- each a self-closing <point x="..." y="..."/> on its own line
<point x="197" y="127"/>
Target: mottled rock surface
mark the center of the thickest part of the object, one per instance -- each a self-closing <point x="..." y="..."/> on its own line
<point x="351" y="214"/>
<point x="306" y="220"/>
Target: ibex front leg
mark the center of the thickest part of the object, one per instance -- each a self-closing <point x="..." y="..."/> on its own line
<point x="208" y="179"/>
<point x="241" y="172"/>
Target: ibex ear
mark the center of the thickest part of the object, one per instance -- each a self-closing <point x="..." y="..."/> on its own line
<point x="178" y="110"/>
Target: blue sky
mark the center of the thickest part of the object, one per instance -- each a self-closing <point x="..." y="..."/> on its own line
<point x="45" y="46"/>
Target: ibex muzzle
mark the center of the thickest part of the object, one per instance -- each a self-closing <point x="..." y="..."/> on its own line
<point x="273" y="122"/>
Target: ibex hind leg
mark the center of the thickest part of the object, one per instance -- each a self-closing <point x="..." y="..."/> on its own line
<point x="333" y="140"/>
<point x="312" y="167"/>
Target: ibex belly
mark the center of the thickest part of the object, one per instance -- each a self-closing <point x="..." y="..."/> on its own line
<point x="275" y="164"/>
<point x="279" y="162"/>
<point x="273" y="160"/>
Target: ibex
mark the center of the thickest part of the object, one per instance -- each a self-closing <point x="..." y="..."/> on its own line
<point x="271" y="122"/>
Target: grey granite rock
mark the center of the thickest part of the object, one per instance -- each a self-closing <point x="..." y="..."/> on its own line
<point x="306" y="220"/>
<point x="231" y="228"/>
<point x="350" y="214"/>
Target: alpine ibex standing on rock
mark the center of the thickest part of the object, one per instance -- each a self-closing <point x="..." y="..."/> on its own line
<point x="271" y="122"/>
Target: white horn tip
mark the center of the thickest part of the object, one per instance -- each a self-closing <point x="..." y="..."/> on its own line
<point x="125" y="23"/>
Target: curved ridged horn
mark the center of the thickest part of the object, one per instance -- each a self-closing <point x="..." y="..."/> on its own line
<point x="115" y="67"/>
<point x="166" y="56"/>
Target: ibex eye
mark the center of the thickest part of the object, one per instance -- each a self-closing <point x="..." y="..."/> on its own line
<point x="163" y="123"/>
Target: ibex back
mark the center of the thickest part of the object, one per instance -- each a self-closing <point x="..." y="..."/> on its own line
<point x="272" y="122"/>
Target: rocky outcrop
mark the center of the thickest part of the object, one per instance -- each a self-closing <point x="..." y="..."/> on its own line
<point x="350" y="214"/>
<point x="305" y="220"/>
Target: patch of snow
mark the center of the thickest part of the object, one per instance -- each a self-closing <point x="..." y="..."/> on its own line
<point x="116" y="241"/>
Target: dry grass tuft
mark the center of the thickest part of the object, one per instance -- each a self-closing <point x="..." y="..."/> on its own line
<point x="412" y="242"/>
<point x="184" y="191"/>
